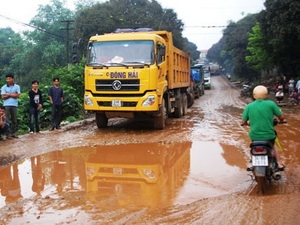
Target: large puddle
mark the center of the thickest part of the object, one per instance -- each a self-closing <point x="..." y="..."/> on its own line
<point x="131" y="176"/>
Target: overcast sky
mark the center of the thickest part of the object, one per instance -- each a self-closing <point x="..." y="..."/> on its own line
<point x="203" y="19"/>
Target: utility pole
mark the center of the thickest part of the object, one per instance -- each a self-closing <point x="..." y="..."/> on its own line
<point x="68" y="28"/>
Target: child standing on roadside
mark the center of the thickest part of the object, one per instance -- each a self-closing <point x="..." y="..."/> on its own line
<point x="35" y="104"/>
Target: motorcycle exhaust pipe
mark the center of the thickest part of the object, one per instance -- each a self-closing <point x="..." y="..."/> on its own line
<point x="276" y="176"/>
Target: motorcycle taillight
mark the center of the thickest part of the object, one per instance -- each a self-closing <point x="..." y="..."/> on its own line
<point x="259" y="151"/>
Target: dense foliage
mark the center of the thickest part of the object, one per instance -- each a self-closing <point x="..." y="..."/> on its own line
<point x="280" y="25"/>
<point x="109" y="16"/>
<point x="265" y="42"/>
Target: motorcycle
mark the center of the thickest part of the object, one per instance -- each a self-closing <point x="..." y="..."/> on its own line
<point x="264" y="164"/>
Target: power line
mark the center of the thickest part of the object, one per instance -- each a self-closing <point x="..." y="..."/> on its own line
<point x="209" y="26"/>
<point x="28" y="25"/>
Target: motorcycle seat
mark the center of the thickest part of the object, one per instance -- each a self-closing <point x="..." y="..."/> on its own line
<point x="261" y="143"/>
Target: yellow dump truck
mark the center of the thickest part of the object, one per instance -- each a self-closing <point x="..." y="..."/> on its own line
<point x="133" y="73"/>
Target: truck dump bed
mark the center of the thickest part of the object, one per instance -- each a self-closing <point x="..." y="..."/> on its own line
<point x="178" y="73"/>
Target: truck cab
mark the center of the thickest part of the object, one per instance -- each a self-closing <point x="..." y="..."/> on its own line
<point x="136" y="73"/>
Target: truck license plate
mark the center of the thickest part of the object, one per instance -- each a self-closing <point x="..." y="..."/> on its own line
<point x="259" y="160"/>
<point x="116" y="103"/>
<point x="117" y="171"/>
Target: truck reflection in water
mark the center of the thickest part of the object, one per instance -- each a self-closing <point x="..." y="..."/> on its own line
<point x="146" y="175"/>
<point x="131" y="176"/>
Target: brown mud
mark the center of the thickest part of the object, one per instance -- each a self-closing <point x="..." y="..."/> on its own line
<point x="192" y="172"/>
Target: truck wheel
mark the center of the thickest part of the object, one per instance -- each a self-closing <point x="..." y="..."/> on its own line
<point x="101" y="120"/>
<point x="178" y="112"/>
<point x="160" y="120"/>
<point x="190" y="99"/>
<point x="198" y="93"/>
<point x="184" y="104"/>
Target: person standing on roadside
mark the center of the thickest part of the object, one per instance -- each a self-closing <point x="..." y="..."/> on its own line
<point x="298" y="86"/>
<point x="3" y="124"/>
<point x="10" y="92"/>
<point x="56" y="96"/>
<point x="35" y="104"/>
<point x="291" y="85"/>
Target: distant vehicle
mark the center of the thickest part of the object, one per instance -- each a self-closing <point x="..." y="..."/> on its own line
<point x="197" y="80"/>
<point x="207" y="80"/>
<point x="214" y="69"/>
<point x="196" y="88"/>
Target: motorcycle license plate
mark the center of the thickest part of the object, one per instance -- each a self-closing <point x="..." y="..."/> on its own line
<point x="116" y="103"/>
<point x="259" y="160"/>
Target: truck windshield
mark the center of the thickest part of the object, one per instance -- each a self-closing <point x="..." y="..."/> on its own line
<point x="120" y="52"/>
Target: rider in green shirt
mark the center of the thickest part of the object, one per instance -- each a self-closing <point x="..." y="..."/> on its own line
<point x="260" y="113"/>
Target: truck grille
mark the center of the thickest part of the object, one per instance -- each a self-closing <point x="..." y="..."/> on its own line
<point x="126" y="85"/>
<point x="124" y="104"/>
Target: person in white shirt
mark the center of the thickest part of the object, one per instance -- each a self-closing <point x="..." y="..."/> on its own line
<point x="298" y="86"/>
<point x="291" y="85"/>
<point x="279" y="95"/>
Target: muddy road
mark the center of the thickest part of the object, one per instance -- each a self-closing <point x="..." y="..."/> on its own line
<point x="192" y="172"/>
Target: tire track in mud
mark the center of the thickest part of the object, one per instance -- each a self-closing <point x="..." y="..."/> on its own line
<point x="221" y="108"/>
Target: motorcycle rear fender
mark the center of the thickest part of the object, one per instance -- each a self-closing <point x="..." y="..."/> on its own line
<point x="259" y="171"/>
<point x="267" y="144"/>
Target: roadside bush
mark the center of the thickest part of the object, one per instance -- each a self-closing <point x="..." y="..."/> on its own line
<point x="72" y="83"/>
<point x="72" y="108"/>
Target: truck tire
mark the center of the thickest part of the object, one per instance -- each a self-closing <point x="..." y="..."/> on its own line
<point x="190" y="99"/>
<point x="198" y="93"/>
<point x="178" y="112"/>
<point x="184" y="104"/>
<point x="160" y="120"/>
<point x="101" y="120"/>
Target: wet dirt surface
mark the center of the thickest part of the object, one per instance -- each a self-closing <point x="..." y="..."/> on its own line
<point x="192" y="172"/>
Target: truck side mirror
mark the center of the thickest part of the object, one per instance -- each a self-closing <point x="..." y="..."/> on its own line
<point x="162" y="50"/>
<point x="161" y="53"/>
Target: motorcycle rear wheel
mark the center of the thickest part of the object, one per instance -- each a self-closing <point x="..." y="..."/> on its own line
<point x="261" y="185"/>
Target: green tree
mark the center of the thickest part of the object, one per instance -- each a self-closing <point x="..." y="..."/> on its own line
<point x="235" y="41"/>
<point x="106" y="17"/>
<point x="214" y="53"/>
<point x="280" y="25"/>
<point x="11" y="44"/>
<point x="259" y="59"/>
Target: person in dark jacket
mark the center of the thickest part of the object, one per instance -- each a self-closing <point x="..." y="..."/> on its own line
<point x="35" y="104"/>
<point x="56" y="96"/>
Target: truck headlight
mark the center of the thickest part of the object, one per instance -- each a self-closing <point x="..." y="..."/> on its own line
<point x="90" y="171"/>
<point x="149" y="173"/>
<point x="149" y="101"/>
<point x="87" y="100"/>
